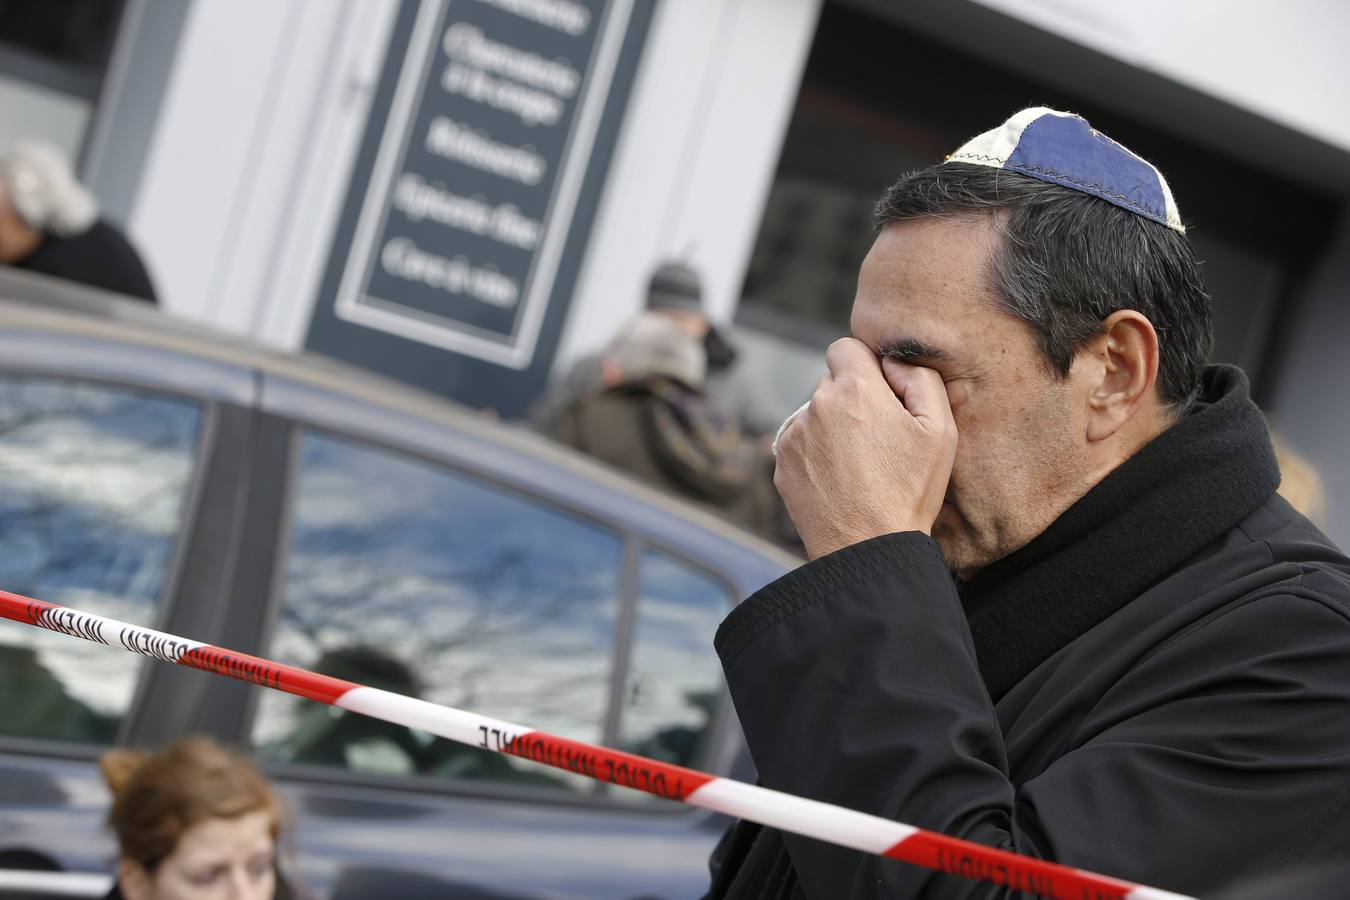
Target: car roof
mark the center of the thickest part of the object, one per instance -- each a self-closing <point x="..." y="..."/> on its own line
<point x="29" y="301"/>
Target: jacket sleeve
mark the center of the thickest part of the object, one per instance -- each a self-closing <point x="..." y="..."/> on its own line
<point x="855" y="682"/>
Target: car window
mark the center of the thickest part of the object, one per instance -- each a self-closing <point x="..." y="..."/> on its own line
<point x="674" y="680"/>
<point x="93" y="481"/>
<point x="416" y="578"/>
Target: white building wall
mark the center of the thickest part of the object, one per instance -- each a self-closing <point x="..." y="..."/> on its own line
<point x="1285" y="61"/>
<point x="264" y="110"/>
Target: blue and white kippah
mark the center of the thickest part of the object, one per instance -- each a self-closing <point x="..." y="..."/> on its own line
<point x="1064" y="149"/>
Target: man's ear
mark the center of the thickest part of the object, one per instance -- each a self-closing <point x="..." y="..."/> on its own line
<point x="1125" y="371"/>
<point x="134" y="880"/>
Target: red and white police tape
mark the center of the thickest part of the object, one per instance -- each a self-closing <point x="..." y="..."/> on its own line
<point x="822" y="821"/>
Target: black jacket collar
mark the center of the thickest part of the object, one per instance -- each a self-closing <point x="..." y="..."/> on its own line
<point x="1181" y="492"/>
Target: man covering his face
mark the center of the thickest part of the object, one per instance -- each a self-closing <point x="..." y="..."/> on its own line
<point x="1054" y="603"/>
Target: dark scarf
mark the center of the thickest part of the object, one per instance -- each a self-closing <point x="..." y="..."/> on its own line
<point x="1180" y="493"/>
<point x="1189" y="486"/>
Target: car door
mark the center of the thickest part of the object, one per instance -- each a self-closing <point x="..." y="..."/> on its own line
<point x="430" y="560"/>
<point x="115" y="461"/>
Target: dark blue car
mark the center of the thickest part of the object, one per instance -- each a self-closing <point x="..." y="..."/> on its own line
<point x="301" y="510"/>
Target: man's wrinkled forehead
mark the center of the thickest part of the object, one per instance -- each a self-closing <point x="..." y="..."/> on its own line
<point x="922" y="286"/>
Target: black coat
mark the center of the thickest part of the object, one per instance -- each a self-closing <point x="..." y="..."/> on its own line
<point x="1162" y="691"/>
<point x="101" y="257"/>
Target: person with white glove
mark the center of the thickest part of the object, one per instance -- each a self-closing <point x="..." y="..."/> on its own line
<point x="50" y="223"/>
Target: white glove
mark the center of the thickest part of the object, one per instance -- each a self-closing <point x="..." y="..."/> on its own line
<point x="43" y="190"/>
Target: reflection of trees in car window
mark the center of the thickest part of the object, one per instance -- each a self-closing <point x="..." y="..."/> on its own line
<point x="408" y="576"/>
<point x="92" y="483"/>
<point x="674" y="681"/>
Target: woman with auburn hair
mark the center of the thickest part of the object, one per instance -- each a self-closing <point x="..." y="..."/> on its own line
<point x="193" y="822"/>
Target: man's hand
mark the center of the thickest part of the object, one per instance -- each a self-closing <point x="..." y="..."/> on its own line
<point x="871" y="455"/>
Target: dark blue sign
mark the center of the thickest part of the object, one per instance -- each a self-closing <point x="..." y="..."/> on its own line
<point x="475" y="189"/>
